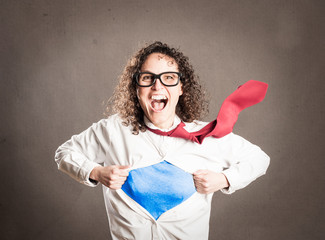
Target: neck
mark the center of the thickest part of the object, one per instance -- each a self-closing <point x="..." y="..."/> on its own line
<point x="162" y="125"/>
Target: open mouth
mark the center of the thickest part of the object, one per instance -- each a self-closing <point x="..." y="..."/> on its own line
<point x="158" y="102"/>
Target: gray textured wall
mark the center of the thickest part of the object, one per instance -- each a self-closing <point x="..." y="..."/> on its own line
<point x="60" y="61"/>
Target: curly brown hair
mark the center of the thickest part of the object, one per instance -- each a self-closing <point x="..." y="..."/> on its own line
<point x="191" y="105"/>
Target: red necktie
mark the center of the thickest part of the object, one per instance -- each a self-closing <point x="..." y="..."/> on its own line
<point x="246" y="95"/>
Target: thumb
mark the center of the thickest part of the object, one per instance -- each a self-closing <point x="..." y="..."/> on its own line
<point x="124" y="166"/>
<point x="124" y="170"/>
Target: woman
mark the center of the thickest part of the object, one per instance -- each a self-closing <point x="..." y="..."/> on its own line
<point x="156" y="186"/>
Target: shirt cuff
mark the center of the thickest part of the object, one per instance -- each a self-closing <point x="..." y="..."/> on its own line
<point x="231" y="176"/>
<point x="85" y="173"/>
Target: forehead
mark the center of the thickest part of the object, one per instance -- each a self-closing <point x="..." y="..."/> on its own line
<point x="156" y="62"/>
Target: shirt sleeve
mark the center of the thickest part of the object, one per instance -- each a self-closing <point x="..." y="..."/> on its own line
<point x="83" y="152"/>
<point x="245" y="163"/>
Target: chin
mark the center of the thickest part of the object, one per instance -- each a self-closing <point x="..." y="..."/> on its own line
<point x="160" y="119"/>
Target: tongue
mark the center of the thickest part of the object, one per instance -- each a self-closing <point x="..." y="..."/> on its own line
<point x="158" y="105"/>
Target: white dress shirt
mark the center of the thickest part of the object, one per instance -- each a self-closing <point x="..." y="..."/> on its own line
<point x="109" y="142"/>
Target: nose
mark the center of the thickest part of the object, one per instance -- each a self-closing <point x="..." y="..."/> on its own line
<point x="157" y="85"/>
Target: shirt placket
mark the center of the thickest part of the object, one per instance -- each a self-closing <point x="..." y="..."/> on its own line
<point x="154" y="230"/>
<point x="163" y="148"/>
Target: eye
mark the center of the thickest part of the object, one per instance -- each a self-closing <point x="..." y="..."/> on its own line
<point x="169" y="76"/>
<point x="146" y="77"/>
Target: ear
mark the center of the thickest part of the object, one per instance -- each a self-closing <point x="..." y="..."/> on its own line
<point x="181" y="90"/>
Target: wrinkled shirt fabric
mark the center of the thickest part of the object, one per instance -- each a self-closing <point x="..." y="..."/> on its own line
<point x="109" y="142"/>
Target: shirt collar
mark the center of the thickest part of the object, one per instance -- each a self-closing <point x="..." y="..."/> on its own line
<point x="149" y="124"/>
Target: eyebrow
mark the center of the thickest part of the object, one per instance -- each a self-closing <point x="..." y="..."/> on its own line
<point x="161" y="72"/>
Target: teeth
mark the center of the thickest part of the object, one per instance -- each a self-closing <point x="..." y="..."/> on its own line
<point x="158" y="97"/>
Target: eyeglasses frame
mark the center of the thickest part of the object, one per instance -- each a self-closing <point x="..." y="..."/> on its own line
<point x="136" y="78"/>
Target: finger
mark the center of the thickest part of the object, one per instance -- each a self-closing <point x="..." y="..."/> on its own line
<point x="118" y="178"/>
<point x="115" y="184"/>
<point x="123" y="173"/>
<point x="199" y="188"/>
<point x="107" y="184"/>
<point x="115" y="171"/>
<point x="120" y="181"/>
<point x="197" y="179"/>
<point x="202" y="186"/>
<point x="122" y="170"/>
<point x="200" y="178"/>
<point x="113" y="177"/>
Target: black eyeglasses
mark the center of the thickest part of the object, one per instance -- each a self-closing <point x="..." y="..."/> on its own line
<point x="147" y="79"/>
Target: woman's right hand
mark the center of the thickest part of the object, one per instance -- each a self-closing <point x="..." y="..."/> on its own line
<point x="111" y="176"/>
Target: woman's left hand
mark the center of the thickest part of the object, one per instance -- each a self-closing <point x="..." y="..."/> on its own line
<point x="207" y="181"/>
